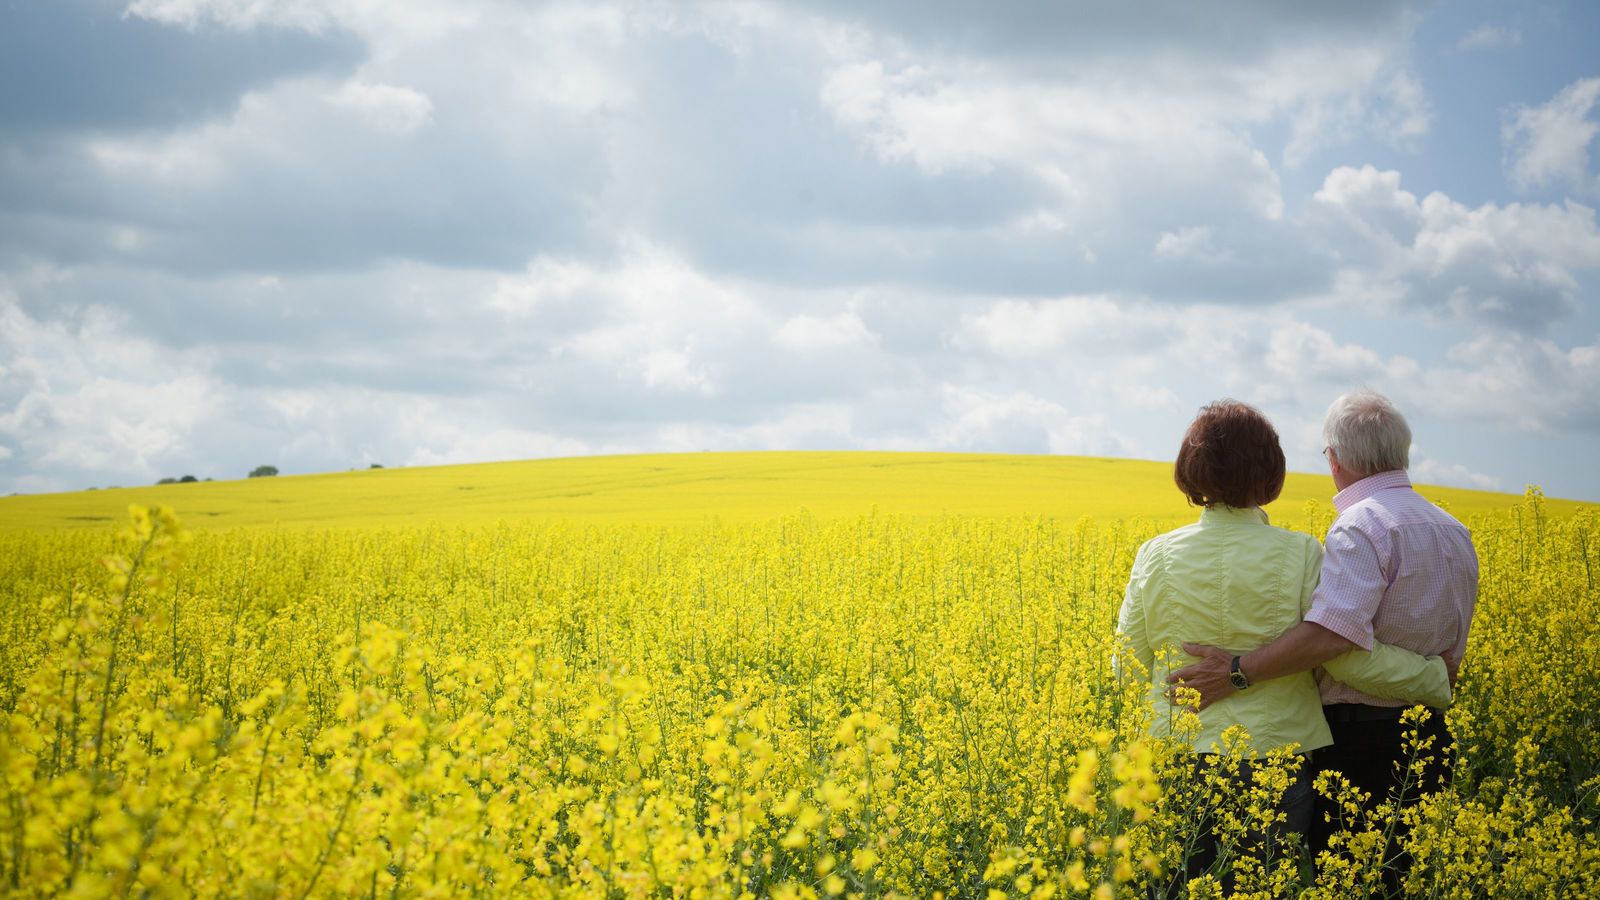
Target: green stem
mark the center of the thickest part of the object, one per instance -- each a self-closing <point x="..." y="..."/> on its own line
<point x="338" y="826"/>
<point x="96" y="773"/>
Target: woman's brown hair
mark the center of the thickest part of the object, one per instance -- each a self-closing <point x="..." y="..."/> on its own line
<point x="1230" y="455"/>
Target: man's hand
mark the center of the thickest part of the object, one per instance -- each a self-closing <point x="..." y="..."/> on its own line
<point x="1209" y="676"/>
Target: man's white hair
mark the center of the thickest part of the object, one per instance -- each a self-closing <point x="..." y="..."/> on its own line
<point x="1367" y="433"/>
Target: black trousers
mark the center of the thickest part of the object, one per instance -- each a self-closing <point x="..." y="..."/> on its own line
<point x="1295" y="804"/>
<point x="1370" y="750"/>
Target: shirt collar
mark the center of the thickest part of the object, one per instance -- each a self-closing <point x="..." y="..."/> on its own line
<point x="1370" y="485"/>
<point x="1220" y="514"/>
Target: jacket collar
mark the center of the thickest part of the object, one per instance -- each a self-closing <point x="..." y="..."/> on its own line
<point x="1231" y="515"/>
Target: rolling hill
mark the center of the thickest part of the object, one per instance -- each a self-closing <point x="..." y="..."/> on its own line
<point x="688" y="488"/>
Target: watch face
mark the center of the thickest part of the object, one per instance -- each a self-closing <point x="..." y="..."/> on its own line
<point x="1238" y="680"/>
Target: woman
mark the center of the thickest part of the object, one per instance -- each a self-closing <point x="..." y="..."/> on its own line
<point x="1232" y="580"/>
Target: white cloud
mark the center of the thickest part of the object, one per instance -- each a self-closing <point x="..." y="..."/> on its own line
<point x="978" y="420"/>
<point x="574" y="57"/>
<point x="1134" y="354"/>
<point x="1509" y="265"/>
<point x="1426" y="470"/>
<point x="1304" y="353"/>
<point x="89" y="396"/>
<point x="449" y="444"/>
<point x="392" y="22"/>
<point x="1509" y="381"/>
<point x="1373" y="203"/>
<point x="1524" y="383"/>
<point x="1166" y="100"/>
<point x="1095" y="143"/>
<point x="666" y="324"/>
<point x="386" y="107"/>
<point x="1145" y="396"/>
<point x="651" y="318"/>
<point x="1548" y="145"/>
<point x="1405" y="113"/>
<point x="1490" y="37"/>
<point x="548" y="284"/>
<point x="1335" y="93"/>
<point x="273" y="125"/>
<point x="1023" y="329"/>
<point x="803" y="333"/>
<point x="565" y="54"/>
<point x="806" y="426"/>
<point x="188" y="158"/>
<point x="310" y="15"/>
<point x="1192" y="242"/>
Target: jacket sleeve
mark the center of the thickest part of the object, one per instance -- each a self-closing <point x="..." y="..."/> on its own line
<point x="1131" y="633"/>
<point x="1392" y="673"/>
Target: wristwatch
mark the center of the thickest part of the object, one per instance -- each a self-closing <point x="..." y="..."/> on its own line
<point x="1236" y="675"/>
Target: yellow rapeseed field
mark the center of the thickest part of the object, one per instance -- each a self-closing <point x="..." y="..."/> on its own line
<point x="911" y="702"/>
<point x="685" y="489"/>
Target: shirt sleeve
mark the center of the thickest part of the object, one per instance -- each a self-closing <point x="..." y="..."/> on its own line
<point x="1130" y="623"/>
<point x="1352" y="585"/>
<point x="1311" y="576"/>
<point x="1392" y="673"/>
<point x="1380" y="670"/>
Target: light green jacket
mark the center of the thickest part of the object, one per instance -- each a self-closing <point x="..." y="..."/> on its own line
<point x="1234" y="581"/>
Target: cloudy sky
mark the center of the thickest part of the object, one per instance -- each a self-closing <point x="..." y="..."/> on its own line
<point x="326" y="233"/>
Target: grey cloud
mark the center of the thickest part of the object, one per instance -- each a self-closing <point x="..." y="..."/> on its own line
<point x="339" y="201"/>
<point x="393" y="369"/>
<point x="1068" y="34"/>
<point x="188" y="312"/>
<point x="1267" y="262"/>
<point x="460" y="272"/>
<point x="298" y="177"/>
<point x="70" y="65"/>
<point x="739" y="165"/>
<point x="733" y="160"/>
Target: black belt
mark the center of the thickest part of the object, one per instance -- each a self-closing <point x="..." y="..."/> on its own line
<point x="1362" y="712"/>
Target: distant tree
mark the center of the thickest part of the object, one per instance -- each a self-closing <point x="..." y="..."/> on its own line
<point x="375" y="466"/>
<point x="263" y="471"/>
<point x="188" y="479"/>
<point x="167" y="481"/>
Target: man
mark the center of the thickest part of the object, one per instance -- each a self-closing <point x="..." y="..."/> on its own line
<point x="1397" y="569"/>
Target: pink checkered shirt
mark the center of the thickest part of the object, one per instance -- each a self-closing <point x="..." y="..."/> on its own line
<point x="1397" y="569"/>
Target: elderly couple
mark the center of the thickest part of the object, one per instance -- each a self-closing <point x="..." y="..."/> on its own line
<point x="1317" y="647"/>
